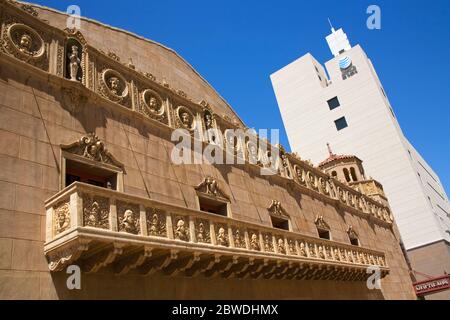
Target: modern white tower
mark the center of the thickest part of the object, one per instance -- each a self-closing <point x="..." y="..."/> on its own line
<point x="346" y="105"/>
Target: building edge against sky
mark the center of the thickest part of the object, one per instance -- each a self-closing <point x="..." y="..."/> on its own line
<point x="345" y="104"/>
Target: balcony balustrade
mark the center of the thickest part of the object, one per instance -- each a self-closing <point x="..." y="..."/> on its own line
<point x="99" y="228"/>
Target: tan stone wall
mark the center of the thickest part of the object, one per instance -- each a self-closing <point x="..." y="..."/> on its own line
<point x="434" y="260"/>
<point x="34" y="123"/>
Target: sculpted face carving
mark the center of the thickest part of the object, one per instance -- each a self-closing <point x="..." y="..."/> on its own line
<point x="62" y="218"/>
<point x="181" y="231"/>
<point x="185" y="117"/>
<point x="222" y="237"/>
<point x="114" y="84"/>
<point x="25" y="43"/>
<point x="254" y="243"/>
<point x="129" y="222"/>
<point x="208" y="120"/>
<point x="281" y="247"/>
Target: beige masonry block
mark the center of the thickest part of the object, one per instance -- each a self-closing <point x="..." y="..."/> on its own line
<point x="28" y="255"/>
<point x="20" y="171"/>
<point x="20" y="225"/>
<point x="19" y="285"/>
<point x="31" y="199"/>
<point x="7" y="195"/>
<point x="5" y="253"/>
<point x="40" y="152"/>
<point x="9" y="143"/>
<point x="21" y="123"/>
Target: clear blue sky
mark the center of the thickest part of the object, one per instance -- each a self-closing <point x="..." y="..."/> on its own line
<point x="237" y="44"/>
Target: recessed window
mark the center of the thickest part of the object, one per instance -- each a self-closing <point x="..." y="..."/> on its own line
<point x="333" y="103"/>
<point x="279" y="223"/>
<point x="354" y="241"/>
<point x="353" y="173"/>
<point x="341" y="123"/>
<point x="213" y="206"/>
<point x="324" y="234"/>
<point x="81" y="172"/>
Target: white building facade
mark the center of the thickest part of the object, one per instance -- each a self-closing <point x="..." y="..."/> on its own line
<point x="344" y="104"/>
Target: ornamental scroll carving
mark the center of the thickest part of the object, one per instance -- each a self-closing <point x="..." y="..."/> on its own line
<point x="275" y="209"/>
<point x="210" y="187"/>
<point x="92" y="148"/>
<point x="321" y="223"/>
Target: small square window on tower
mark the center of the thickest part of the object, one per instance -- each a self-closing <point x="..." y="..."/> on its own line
<point x="341" y="123"/>
<point x="333" y="103"/>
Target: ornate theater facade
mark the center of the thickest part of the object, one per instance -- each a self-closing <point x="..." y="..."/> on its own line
<point x="87" y="180"/>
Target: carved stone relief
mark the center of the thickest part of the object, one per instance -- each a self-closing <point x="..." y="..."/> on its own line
<point x="239" y="238"/>
<point x="151" y="105"/>
<point x="113" y="86"/>
<point x="202" y="231"/>
<point x="181" y="228"/>
<point x="184" y="118"/>
<point x="254" y="240"/>
<point x="24" y="43"/>
<point x="61" y="218"/>
<point x="222" y="235"/>
<point x="268" y="242"/>
<point x="95" y="212"/>
<point x="92" y="148"/>
<point x="128" y="216"/>
<point x="156" y="223"/>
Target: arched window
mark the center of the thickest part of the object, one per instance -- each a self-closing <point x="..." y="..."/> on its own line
<point x="353" y="172"/>
<point x="347" y="174"/>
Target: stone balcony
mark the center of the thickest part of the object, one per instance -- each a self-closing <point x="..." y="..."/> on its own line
<point x="97" y="228"/>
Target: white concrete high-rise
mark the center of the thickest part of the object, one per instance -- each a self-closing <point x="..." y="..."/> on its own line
<point x="345" y="104"/>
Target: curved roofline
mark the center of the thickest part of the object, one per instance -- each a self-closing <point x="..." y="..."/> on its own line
<point x="140" y="38"/>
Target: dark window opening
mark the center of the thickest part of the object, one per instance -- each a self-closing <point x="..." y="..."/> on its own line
<point x="213" y="206"/>
<point x="324" y="234"/>
<point x="278" y="223"/>
<point x="333" y="103"/>
<point x="347" y="175"/>
<point x="353" y="173"/>
<point x="334" y="174"/>
<point x="341" y="123"/>
<point x="354" y="241"/>
<point x="80" y="172"/>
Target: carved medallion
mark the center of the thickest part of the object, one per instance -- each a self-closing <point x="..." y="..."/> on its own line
<point x="152" y="105"/>
<point x="24" y="42"/>
<point x="113" y="86"/>
<point x="184" y="118"/>
<point x="95" y="212"/>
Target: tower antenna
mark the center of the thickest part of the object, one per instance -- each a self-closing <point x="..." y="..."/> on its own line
<point x="331" y="25"/>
